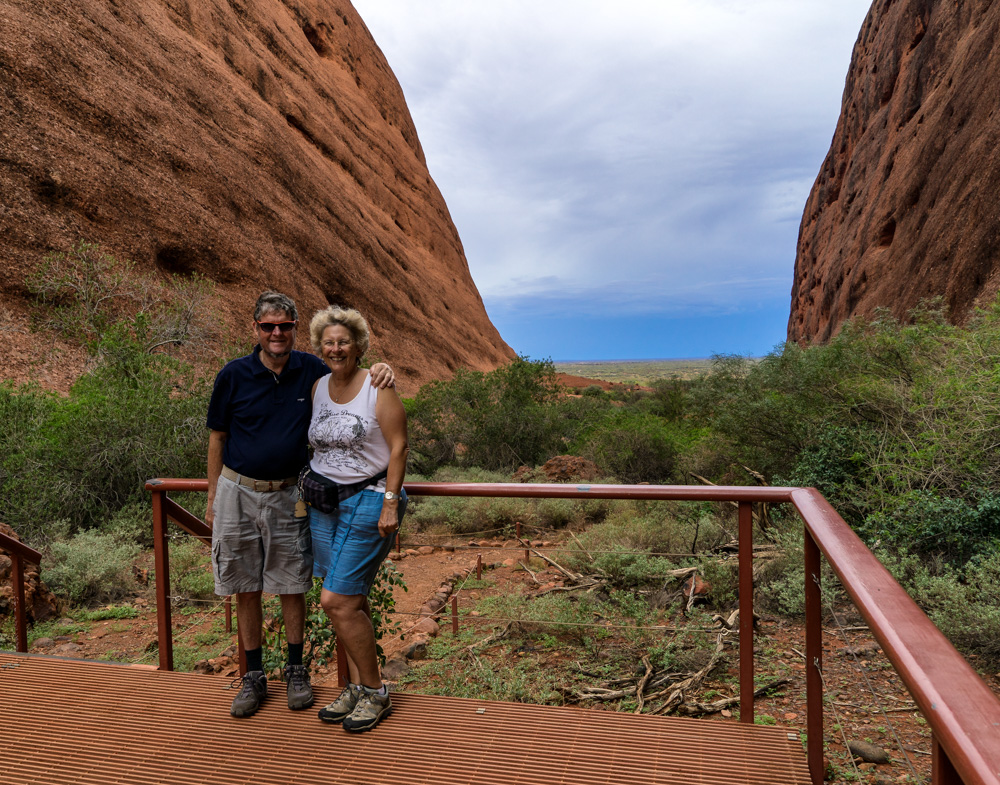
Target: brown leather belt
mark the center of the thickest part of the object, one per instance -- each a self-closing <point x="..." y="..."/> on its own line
<point x="260" y="486"/>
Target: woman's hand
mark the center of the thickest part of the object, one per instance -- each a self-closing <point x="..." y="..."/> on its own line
<point x="388" y="521"/>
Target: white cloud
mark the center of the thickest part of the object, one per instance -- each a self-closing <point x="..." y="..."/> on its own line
<point x="654" y="153"/>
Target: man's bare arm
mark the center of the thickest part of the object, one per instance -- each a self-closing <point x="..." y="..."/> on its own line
<point x="216" y="443"/>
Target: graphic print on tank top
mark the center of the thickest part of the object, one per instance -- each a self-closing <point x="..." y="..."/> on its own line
<point x="338" y="437"/>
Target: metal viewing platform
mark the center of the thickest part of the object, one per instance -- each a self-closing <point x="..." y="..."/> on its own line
<point x="73" y="721"/>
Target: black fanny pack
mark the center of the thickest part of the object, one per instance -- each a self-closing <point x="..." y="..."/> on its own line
<point x="326" y="495"/>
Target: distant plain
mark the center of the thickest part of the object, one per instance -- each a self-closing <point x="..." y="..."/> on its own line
<point x="641" y="372"/>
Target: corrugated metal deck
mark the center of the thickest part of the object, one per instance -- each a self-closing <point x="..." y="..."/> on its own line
<point x="70" y="721"/>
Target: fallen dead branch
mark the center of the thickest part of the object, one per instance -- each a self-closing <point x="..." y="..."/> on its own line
<point x="676" y="697"/>
<point x="641" y="688"/>
<point x="651" y="685"/>
<point x="499" y="635"/>
<point x="694" y="708"/>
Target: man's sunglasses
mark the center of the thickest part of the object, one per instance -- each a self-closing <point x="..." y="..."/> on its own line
<point x="268" y="327"/>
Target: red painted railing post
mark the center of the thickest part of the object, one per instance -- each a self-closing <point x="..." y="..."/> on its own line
<point x="20" y="614"/>
<point x="479" y="567"/>
<point x="746" y="611"/>
<point x="942" y="770"/>
<point x="454" y="615"/>
<point x="342" y="670"/>
<point x="161" y="560"/>
<point x="814" y="661"/>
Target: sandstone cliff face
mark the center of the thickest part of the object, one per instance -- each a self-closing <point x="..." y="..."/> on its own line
<point x="259" y="143"/>
<point x="906" y="204"/>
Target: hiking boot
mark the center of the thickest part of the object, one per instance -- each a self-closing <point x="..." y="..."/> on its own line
<point x="300" y="691"/>
<point x="344" y="705"/>
<point x="252" y="692"/>
<point x="371" y="708"/>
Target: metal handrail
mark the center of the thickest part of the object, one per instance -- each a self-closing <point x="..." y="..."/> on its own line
<point x="962" y="711"/>
<point x="19" y="553"/>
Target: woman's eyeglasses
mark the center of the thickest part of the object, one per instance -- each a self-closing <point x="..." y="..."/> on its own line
<point x="268" y="327"/>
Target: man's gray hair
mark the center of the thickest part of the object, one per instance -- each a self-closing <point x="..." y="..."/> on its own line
<point x="270" y="302"/>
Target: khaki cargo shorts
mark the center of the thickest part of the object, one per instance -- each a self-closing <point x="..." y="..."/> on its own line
<point x="257" y="543"/>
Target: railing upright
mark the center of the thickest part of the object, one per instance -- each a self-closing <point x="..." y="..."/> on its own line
<point x="19" y="553"/>
<point x="814" y="660"/>
<point x="746" y="612"/>
<point x="161" y="561"/>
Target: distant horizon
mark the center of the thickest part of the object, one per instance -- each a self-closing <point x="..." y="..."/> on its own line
<point x="625" y="180"/>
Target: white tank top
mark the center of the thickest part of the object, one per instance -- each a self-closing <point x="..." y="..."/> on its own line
<point x="348" y="445"/>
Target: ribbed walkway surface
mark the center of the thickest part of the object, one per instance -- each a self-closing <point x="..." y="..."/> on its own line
<point x="65" y="721"/>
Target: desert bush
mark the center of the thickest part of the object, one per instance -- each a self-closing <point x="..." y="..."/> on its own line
<point x="654" y="527"/>
<point x="91" y="567"/>
<point x="86" y="292"/>
<point x="495" y="420"/>
<point x="631" y="446"/>
<point x="895" y="423"/>
<point x="320" y="639"/>
<point x="628" y="569"/>
<point x="191" y="570"/>
<point x="964" y="604"/>
<point x="779" y="585"/>
<point x="83" y="458"/>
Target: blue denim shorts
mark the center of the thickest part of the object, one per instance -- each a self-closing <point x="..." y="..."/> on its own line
<point x="347" y="547"/>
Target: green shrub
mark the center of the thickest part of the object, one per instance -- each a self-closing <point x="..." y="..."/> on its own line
<point x="631" y="446"/>
<point x="320" y="638"/>
<point x="964" y="605"/>
<point x="86" y="457"/>
<point x="627" y="569"/>
<point x="495" y="420"/>
<point x="91" y="567"/>
<point x="191" y="570"/>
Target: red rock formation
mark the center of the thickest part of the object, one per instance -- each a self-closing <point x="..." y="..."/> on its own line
<point x="259" y="143"/>
<point x="905" y="206"/>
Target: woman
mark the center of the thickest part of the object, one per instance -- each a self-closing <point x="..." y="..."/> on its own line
<point x="358" y="437"/>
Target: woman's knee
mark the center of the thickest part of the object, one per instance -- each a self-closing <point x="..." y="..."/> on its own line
<point x="340" y="605"/>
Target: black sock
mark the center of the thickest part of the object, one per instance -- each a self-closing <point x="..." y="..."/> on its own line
<point x="255" y="659"/>
<point x="295" y="653"/>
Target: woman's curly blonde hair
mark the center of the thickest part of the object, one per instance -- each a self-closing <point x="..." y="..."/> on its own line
<point x="349" y="318"/>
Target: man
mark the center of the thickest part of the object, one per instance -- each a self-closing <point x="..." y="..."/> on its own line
<point x="259" y="417"/>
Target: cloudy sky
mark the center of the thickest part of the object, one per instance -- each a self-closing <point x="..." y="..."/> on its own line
<point x="627" y="178"/>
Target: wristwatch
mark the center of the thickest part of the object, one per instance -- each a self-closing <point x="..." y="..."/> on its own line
<point x="389" y="496"/>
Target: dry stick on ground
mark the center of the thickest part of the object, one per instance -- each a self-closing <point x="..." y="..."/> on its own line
<point x="676" y="691"/>
<point x="692" y="708"/>
<point x="496" y="636"/>
<point x="604" y="694"/>
<point x="594" y="584"/>
<point x="571" y="575"/>
<point x="527" y="570"/>
<point x="691" y="594"/>
<point x="589" y="555"/>
<point x="641" y="688"/>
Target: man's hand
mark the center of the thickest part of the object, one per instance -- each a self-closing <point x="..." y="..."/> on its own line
<point x="382" y="376"/>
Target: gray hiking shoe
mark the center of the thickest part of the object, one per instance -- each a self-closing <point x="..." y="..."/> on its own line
<point x="300" y="691"/>
<point x="344" y="705"/>
<point x="252" y="691"/>
<point x="371" y="708"/>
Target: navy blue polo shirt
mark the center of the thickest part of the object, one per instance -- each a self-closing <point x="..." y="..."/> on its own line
<point x="266" y="416"/>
